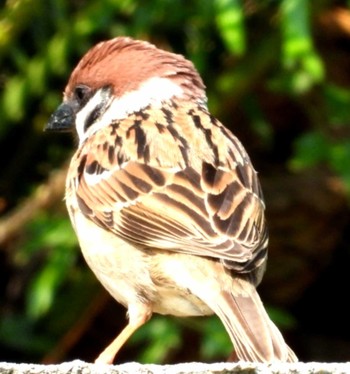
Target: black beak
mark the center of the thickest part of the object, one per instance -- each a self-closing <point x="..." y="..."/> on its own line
<point x="62" y="119"/>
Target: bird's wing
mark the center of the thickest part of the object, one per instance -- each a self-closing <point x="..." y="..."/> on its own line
<point x="188" y="188"/>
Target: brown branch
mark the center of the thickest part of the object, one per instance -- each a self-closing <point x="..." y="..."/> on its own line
<point x="45" y="196"/>
<point x="70" y="339"/>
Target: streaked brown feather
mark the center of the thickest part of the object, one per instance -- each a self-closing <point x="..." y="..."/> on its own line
<point x="205" y="200"/>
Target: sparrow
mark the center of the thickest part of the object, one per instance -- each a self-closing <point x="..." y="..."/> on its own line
<point x="166" y="205"/>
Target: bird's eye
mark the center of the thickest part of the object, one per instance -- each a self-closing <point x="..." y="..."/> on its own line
<point x="82" y="94"/>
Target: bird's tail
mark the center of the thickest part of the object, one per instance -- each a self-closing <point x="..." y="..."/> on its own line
<point x="254" y="335"/>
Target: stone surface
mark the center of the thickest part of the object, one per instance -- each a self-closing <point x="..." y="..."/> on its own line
<point x="80" y="367"/>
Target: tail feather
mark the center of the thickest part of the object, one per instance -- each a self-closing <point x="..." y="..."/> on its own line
<point x="254" y="335"/>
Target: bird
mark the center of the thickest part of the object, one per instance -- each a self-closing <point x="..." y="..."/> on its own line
<point x="164" y="200"/>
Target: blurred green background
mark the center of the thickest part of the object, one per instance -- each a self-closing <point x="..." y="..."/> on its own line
<point x="277" y="74"/>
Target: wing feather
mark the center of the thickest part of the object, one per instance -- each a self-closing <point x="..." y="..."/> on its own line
<point x="202" y="198"/>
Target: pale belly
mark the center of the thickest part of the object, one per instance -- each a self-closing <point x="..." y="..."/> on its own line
<point x="158" y="278"/>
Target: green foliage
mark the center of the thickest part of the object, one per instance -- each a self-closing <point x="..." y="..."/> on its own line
<point x="311" y="149"/>
<point x="329" y="144"/>
<point x="158" y="339"/>
<point x="230" y="22"/>
<point x="298" y="53"/>
<point x="19" y="334"/>
<point x="216" y="342"/>
<point x="245" y="50"/>
<point x="282" y="318"/>
<point x="57" y="237"/>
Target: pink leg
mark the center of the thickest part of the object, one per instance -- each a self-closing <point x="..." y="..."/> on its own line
<point x="139" y="314"/>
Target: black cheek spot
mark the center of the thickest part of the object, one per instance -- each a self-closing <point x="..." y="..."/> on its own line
<point x="92" y="117"/>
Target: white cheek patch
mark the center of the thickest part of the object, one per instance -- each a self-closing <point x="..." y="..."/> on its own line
<point x="154" y="90"/>
<point x="83" y="114"/>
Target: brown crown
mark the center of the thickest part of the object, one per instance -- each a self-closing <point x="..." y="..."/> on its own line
<point x="125" y="63"/>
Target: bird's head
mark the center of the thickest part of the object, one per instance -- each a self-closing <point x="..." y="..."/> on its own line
<point x="121" y="76"/>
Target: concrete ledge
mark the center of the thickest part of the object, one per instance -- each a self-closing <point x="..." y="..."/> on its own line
<point x="80" y="367"/>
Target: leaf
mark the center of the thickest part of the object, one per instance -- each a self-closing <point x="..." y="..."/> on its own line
<point x="13" y="100"/>
<point x="281" y="317"/>
<point x="36" y="75"/>
<point x="339" y="159"/>
<point x="57" y="52"/>
<point x="338" y="104"/>
<point x="42" y="289"/>
<point x="216" y="342"/>
<point x="159" y="336"/>
<point x="295" y="30"/>
<point x="310" y="149"/>
<point x="298" y="53"/>
<point x="230" y="21"/>
<point x="54" y="237"/>
<point x="18" y="332"/>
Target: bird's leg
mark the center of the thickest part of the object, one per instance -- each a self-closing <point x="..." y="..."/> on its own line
<point x="109" y="353"/>
<point x="139" y="314"/>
